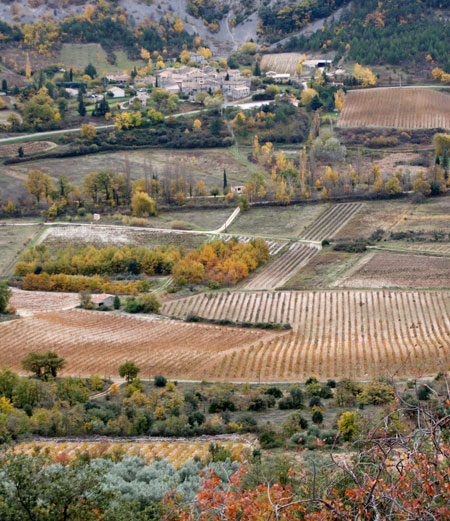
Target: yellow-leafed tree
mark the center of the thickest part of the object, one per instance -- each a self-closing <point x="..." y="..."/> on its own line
<point x="364" y="75"/>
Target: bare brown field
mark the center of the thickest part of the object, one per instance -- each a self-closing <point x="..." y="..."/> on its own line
<point x="430" y="247"/>
<point x="99" y="342"/>
<point x="102" y="235"/>
<point x="407" y="108"/>
<point x="397" y="270"/>
<point x="358" y="334"/>
<point x="29" y="147"/>
<point x="283" y="63"/>
<point x="431" y="216"/>
<point x="374" y="215"/>
<point x="27" y="303"/>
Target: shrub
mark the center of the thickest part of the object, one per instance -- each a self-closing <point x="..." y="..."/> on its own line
<point x="423" y="393"/>
<point x="149" y="303"/>
<point x="247" y="421"/>
<point x="326" y="392"/>
<point x="296" y="396"/>
<point x="315" y="402"/>
<point x="196" y="418"/>
<point x="376" y="393"/>
<point x="257" y="404"/>
<point x="317" y="417"/>
<point x="268" y="440"/>
<point x="294" y="423"/>
<point x="160" y="381"/>
<point x="275" y="392"/>
<point x="285" y="404"/>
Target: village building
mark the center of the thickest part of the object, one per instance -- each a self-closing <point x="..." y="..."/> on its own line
<point x="117" y="92"/>
<point x="190" y="81"/>
<point x="102" y="300"/>
<point x="147" y="80"/>
<point x="198" y="59"/>
<point x="118" y="77"/>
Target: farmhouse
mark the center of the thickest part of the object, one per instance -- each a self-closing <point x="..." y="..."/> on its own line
<point x="279" y="78"/>
<point x="118" y="78"/>
<point x="147" y="80"/>
<point x="102" y="300"/>
<point x="117" y="92"/>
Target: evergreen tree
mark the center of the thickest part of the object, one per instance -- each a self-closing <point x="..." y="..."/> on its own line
<point x="225" y="181"/>
<point x="90" y="70"/>
<point x="257" y="69"/>
<point x="41" y="79"/>
<point x="445" y="160"/>
<point x="81" y="107"/>
<point x="4" y="86"/>
<point x="20" y="152"/>
<point x="316" y="103"/>
<point x="71" y="75"/>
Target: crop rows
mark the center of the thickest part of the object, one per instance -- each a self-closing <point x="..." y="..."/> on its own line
<point x="331" y="221"/>
<point x="282" y="269"/>
<point x="27" y="303"/>
<point x="176" y="452"/>
<point x="408" y="108"/>
<point x="284" y="63"/>
<point x="274" y="246"/>
<point x="358" y="334"/>
<point x="96" y="342"/>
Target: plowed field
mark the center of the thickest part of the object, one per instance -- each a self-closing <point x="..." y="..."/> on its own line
<point x="359" y="334"/>
<point x="407" y="108"/>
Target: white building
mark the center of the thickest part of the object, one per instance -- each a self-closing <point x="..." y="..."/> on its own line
<point x="117" y="92"/>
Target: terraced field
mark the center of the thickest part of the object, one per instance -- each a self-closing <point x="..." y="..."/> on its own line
<point x="283" y="268"/>
<point x="176" y="452"/>
<point x="283" y="63"/>
<point x="96" y="342"/>
<point x="358" y="334"/>
<point x="331" y="221"/>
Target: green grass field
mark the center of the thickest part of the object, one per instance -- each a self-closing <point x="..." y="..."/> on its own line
<point x="195" y="165"/>
<point x="13" y="240"/>
<point x="79" y="55"/>
<point x="193" y="219"/>
<point x="278" y="221"/>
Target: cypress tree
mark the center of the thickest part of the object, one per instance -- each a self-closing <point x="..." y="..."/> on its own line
<point x="225" y="181"/>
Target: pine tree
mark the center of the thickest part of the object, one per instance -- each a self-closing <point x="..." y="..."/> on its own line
<point x="225" y="181"/>
<point x="257" y="69"/>
<point x="81" y="107"/>
<point x="445" y="160"/>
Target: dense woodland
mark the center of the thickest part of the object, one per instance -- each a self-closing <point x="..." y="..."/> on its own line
<point x="373" y="32"/>
<point x="104" y="24"/>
